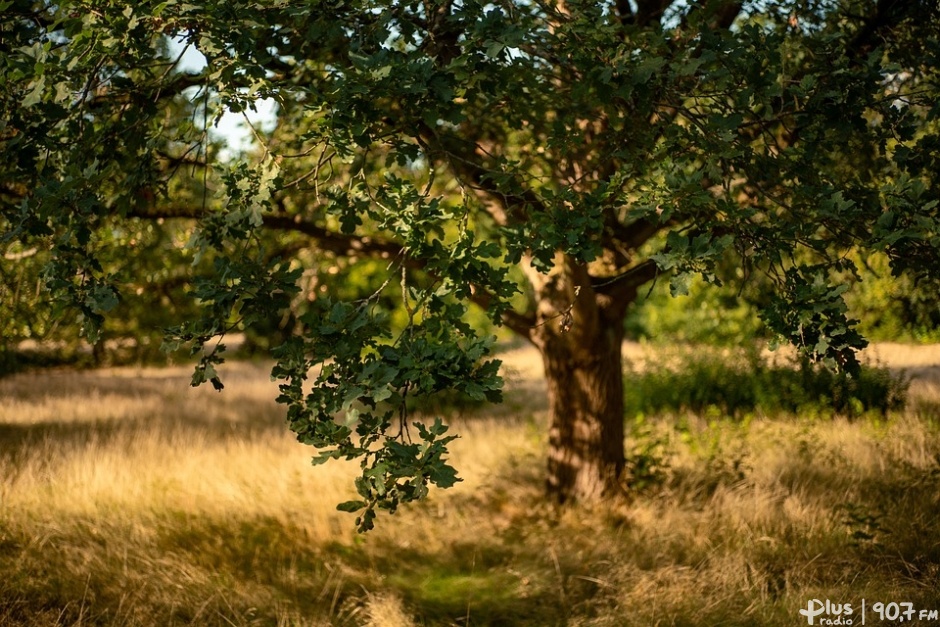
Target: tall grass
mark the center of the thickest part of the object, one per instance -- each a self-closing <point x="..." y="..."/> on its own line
<point x="738" y="382"/>
<point x="128" y="499"/>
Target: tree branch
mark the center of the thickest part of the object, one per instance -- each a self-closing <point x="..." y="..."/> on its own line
<point x="888" y="15"/>
<point x="328" y="240"/>
<point x="626" y="238"/>
<point x="460" y="155"/>
<point x="332" y="241"/>
<point x="624" y="286"/>
<point x="649" y="11"/>
<point x="521" y="324"/>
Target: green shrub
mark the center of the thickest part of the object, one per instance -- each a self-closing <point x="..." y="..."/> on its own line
<point x="892" y="308"/>
<point x="739" y="383"/>
<point x="717" y="316"/>
<point x="647" y="464"/>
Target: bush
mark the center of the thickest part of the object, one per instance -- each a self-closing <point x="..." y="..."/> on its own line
<point x="708" y="314"/>
<point x="738" y="383"/>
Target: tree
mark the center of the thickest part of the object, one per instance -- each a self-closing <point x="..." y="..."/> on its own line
<point x="583" y="148"/>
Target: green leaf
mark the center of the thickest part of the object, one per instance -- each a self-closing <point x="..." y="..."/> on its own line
<point x="351" y="506"/>
<point x="102" y="299"/>
<point x="34" y="96"/>
<point x="494" y="48"/>
<point x="444" y="476"/>
<point x="679" y="283"/>
<point x="647" y="68"/>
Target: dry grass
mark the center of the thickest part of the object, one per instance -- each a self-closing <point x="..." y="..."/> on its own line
<point x="128" y="498"/>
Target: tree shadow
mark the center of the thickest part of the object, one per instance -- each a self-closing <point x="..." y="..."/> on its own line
<point x="248" y="420"/>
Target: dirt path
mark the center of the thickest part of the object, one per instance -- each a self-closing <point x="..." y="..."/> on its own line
<point x="921" y="363"/>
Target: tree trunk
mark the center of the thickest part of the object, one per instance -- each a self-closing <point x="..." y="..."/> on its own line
<point x="580" y="333"/>
<point x="586" y="437"/>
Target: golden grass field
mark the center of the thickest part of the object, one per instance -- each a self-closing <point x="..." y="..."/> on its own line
<point x="128" y="498"/>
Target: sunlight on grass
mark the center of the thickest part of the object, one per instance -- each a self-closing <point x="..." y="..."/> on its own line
<point x="128" y="498"/>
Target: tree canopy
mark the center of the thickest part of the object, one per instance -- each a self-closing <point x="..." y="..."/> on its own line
<point x="541" y="160"/>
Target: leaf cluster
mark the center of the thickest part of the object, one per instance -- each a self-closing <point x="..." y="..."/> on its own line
<point x="357" y="405"/>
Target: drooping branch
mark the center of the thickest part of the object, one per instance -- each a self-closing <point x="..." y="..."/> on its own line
<point x="342" y="244"/>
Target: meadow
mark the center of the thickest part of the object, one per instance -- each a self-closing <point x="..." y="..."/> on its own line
<point x="128" y="498"/>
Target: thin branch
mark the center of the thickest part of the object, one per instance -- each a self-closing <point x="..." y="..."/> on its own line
<point x="626" y="284"/>
<point x="327" y="240"/>
<point x="521" y="324"/>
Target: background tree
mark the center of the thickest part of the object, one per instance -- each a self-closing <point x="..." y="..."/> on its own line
<point x="584" y="148"/>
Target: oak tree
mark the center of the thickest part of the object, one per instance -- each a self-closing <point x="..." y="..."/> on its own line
<point x="541" y="160"/>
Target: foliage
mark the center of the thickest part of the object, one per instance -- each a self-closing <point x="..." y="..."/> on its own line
<point x="594" y="145"/>
<point x="893" y="308"/>
<point x="888" y="308"/>
<point x="155" y="276"/>
<point x="647" y="466"/>
<point x="717" y="316"/>
<point x="741" y="383"/>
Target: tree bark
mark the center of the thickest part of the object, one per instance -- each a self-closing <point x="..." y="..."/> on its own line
<point x="580" y="333"/>
<point x="586" y="438"/>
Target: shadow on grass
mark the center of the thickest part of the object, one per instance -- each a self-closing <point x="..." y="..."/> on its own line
<point x="495" y="555"/>
<point x="71" y="410"/>
<point x="439" y="586"/>
<point x="19" y="440"/>
<point x="506" y="558"/>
